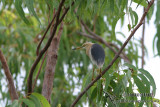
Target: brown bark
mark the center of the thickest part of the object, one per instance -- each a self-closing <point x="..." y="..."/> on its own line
<point x="142" y="41"/>
<point x="51" y="64"/>
<point x="12" y="89"/>
<point x="40" y="54"/>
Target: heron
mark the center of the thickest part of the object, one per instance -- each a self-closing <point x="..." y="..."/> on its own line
<point x="96" y="54"/>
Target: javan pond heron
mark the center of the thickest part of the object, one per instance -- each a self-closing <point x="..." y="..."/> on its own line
<point x="96" y="54"/>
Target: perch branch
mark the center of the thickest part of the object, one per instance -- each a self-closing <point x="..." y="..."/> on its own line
<point x="11" y="86"/>
<point x="116" y="56"/>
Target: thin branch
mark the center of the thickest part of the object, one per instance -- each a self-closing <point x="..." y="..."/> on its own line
<point x="65" y="12"/>
<point x="35" y="81"/>
<point x="36" y="39"/>
<point x="142" y="40"/>
<point x="11" y="86"/>
<point x="44" y="49"/>
<point x="116" y="56"/>
<point x="49" y="25"/>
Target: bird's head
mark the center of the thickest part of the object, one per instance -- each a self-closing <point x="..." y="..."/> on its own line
<point x="85" y="45"/>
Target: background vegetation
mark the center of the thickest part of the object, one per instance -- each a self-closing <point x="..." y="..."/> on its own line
<point x="23" y="23"/>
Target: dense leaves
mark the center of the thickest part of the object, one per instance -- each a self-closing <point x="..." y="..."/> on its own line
<point x="22" y="24"/>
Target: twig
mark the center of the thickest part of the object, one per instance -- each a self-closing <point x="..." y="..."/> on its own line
<point x="35" y="81"/>
<point x="116" y="56"/>
<point x="65" y="12"/>
<point x="60" y="20"/>
<point x="36" y="39"/>
<point x="142" y="40"/>
<point x="49" y="25"/>
<point x="44" y="49"/>
<point x="11" y="86"/>
<point x="52" y="25"/>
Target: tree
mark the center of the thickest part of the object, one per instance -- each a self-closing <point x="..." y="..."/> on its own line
<point x="37" y="38"/>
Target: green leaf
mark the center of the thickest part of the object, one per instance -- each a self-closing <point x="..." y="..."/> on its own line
<point x="124" y="82"/>
<point x="28" y="102"/>
<point x="116" y="20"/>
<point x="30" y="7"/>
<point x="145" y="81"/>
<point x="43" y="100"/>
<point x="87" y="80"/>
<point x="20" y="11"/>
<point x="153" y="45"/>
<point x="112" y="5"/>
<point x="139" y="84"/>
<point x="129" y="27"/>
<point x="94" y="93"/>
<point x="149" y="76"/>
<point x="35" y="100"/>
<point x="106" y="75"/>
<point x="14" y="104"/>
<point x="141" y="2"/>
<point x="130" y="66"/>
<point x="99" y="90"/>
<point x="136" y="18"/>
<point x="118" y="89"/>
<point x="128" y="75"/>
<point x="158" y="46"/>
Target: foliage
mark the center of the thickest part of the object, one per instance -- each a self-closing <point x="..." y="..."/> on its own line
<point x="22" y="24"/>
<point x="34" y="100"/>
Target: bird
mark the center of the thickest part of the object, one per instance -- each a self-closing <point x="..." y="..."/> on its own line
<point x="96" y="54"/>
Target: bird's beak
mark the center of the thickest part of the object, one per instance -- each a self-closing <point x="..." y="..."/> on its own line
<point x="78" y="48"/>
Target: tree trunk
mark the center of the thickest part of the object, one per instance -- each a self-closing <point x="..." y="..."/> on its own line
<point x="51" y="64"/>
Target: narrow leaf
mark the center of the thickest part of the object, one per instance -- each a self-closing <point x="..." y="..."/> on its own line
<point x="43" y="100"/>
<point x="135" y="18"/>
<point x="28" y="102"/>
<point x="20" y="11"/>
<point x="145" y="81"/>
<point x="36" y="101"/>
<point x="130" y="66"/>
<point x="149" y="76"/>
<point x="139" y="84"/>
<point x="30" y="7"/>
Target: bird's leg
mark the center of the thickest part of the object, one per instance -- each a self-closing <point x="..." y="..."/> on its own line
<point x="93" y="74"/>
<point x="100" y="72"/>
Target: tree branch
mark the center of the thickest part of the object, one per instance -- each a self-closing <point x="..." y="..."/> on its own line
<point x="51" y="65"/>
<point x="44" y="49"/>
<point x="12" y="89"/>
<point x="35" y="81"/>
<point x="142" y="40"/>
<point x="49" y="25"/>
<point x="116" y="56"/>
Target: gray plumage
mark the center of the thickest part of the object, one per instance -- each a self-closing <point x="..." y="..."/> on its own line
<point x="98" y="54"/>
